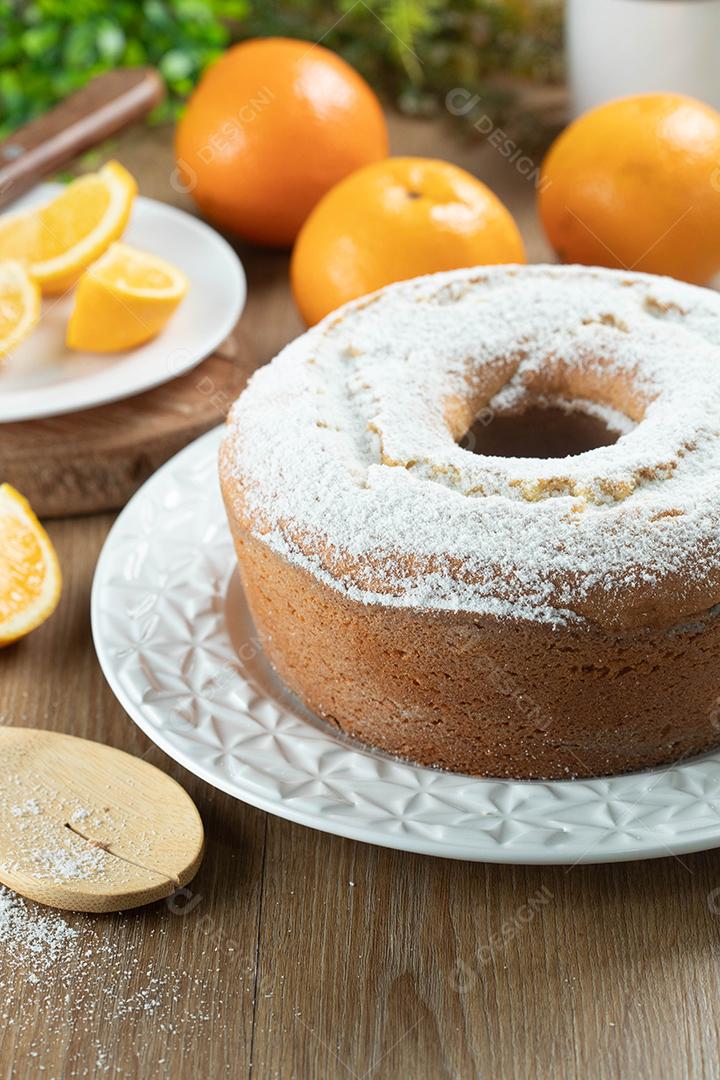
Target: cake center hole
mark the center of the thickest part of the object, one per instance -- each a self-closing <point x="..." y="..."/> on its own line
<point x="539" y="432"/>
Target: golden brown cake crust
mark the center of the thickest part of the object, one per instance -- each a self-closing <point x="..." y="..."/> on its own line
<point x="476" y="695"/>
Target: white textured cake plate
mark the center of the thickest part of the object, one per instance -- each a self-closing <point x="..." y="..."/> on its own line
<point x="44" y="378"/>
<point x="179" y="649"/>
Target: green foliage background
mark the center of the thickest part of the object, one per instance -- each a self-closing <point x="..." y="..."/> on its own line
<point x="413" y="51"/>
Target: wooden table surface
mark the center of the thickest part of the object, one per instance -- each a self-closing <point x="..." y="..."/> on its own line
<point x="297" y="954"/>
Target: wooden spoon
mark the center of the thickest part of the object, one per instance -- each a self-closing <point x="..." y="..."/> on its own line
<point x="86" y="827"/>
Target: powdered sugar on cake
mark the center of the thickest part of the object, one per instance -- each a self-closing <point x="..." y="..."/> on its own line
<point x="344" y="451"/>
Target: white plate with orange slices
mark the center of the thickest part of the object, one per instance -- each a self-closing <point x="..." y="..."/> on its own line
<point x="105" y="294"/>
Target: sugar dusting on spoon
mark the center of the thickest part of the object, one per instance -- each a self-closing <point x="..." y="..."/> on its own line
<point x="86" y="827"/>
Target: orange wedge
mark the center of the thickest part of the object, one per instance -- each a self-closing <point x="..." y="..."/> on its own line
<point x="59" y="240"/>
<point x="124" y="299"/>
<point x="19" y="305"/>
<point x="30" y="579"/>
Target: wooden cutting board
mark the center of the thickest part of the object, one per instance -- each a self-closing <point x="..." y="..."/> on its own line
<point x="91" y="461"/>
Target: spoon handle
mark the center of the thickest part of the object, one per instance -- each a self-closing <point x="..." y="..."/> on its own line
<point x="108" y="103"/>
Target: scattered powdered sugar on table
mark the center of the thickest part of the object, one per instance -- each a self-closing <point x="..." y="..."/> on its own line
<point x="71" y="981"/>
<point x="343" y="455"/>
<point x="37" y="942"/>
<point x="69" y="971"/>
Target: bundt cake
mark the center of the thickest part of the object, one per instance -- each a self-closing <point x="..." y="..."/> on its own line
<point x="477" y="517"/>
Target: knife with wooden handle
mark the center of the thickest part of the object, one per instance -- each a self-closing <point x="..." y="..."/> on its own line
<point x="108" y="103"/>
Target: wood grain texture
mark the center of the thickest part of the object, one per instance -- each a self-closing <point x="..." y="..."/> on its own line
<point x="95" y="460"/>
<point x="324" y="958"/>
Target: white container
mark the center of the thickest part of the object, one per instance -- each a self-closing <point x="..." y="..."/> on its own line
<point x="619" y="47"/>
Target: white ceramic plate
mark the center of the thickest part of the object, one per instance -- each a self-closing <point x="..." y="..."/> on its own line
<point x="43" y="378"/>
<point x="178" y="648"/>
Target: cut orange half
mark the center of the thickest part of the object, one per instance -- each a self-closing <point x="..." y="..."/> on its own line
<point x="123" y="300"/>
<point x="19" y="305"/>
<point x="59" y="240"/>
<point x="30" y="579"/>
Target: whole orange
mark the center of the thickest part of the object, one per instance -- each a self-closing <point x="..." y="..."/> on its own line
<point x="397" y="219"/>
<point x="273" y="124"/>
<point x="635" y="184"/>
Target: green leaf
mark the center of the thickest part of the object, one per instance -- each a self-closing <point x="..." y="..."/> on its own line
<point x="231" y="9"/>
<point x="79" y="49"/>
<point x="176" y="65"/>
<point x="110" y="41"/>
<point x="156" y="12"/>
<point x="37" y="40"/>
<point x="135" y="54"/>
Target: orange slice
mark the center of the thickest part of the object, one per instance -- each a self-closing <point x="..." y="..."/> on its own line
<point x="19" y="305"/>
<point x="59" y="240"/>
<point x="124" y="299"/>
<point x="30" y="579"/>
